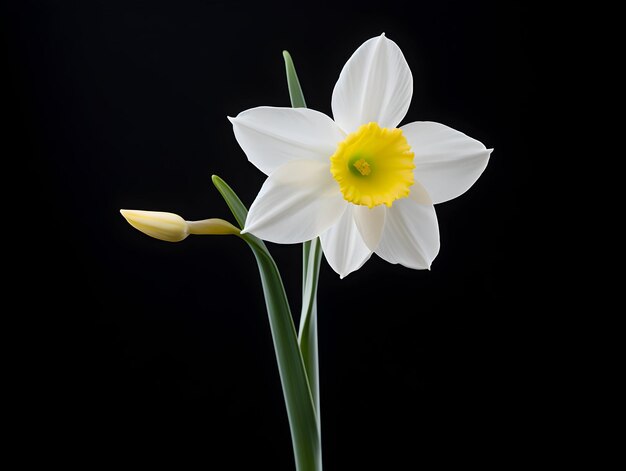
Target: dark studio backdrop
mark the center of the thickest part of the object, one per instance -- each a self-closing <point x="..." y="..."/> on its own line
<point x="148" y="352"/>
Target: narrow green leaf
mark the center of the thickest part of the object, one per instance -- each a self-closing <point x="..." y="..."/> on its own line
<point x="311" y="258"/>
<point x="295" y="91"/>
<point x="297" y="101"/>
<point x="305" y="434"/>
<point x="232" y="200"/>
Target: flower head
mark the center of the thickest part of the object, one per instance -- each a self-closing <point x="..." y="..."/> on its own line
<point x="360" y="182"/>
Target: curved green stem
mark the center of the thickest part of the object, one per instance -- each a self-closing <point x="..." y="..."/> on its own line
<point x="305" y="434"/>
<point x="298" y="396"/>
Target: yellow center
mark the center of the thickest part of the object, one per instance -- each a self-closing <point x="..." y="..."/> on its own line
<point x="373" y="166"/>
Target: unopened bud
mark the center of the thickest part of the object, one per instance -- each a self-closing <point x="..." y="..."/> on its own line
<point x="169" y="227"/>
<point x="173" y="228"/>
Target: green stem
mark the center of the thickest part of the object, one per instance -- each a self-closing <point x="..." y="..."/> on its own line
<point x="307" y="335"/>
<point x="303" y="423"/>
<point x="306" y="247"/>
<point x="305" y="434"/>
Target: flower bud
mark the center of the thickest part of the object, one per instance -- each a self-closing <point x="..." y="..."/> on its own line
<point x="169" y="227"/>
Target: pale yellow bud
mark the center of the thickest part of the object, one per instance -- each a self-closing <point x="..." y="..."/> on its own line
<point x="169" y="227"/>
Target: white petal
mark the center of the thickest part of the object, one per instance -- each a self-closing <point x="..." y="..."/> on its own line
<point x="447" y="162"/>
<point x="298" y="202"/>
<point x="419" y="193"/>
<point x="371" y="222"/>
<point x="343" y="245"/>
<point x="411" y="236"/>
<point x="271" y="137"/>
<point x="375" y="85"/>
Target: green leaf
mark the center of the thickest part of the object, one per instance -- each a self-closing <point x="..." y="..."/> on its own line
<point x="295" y="91"/>
<point x="305" y="434"/>
<point x="232" y="200"/>
<point x="311" y="258"/>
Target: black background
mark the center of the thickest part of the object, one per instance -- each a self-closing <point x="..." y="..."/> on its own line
<point x="149" y="352"/>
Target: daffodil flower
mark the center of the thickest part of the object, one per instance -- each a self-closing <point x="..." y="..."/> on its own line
<point x="359" y="182"/>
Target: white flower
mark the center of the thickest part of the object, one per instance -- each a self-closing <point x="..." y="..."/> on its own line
<point x="359" y="182"/>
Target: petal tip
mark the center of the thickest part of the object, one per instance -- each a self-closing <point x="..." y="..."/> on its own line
<point x="128" y="213"/>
